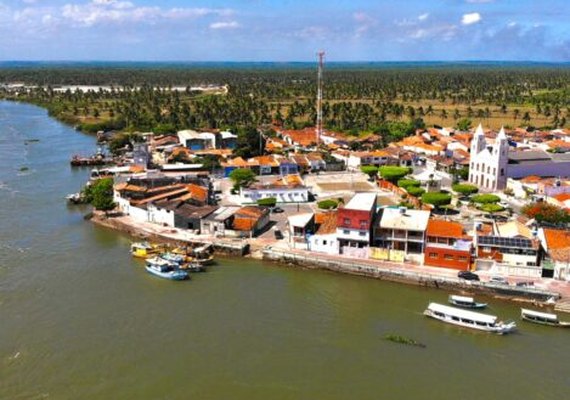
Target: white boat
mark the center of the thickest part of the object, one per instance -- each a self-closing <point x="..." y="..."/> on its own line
<point x="165" y="269"/>
<point x="465" y="302"/>
<point x="469" y="319"/>
<point x="543" y="318"/>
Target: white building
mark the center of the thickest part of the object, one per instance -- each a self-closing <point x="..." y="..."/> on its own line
<point x="488" y="168"/>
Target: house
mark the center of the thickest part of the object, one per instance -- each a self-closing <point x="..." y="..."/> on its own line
<point x="446" y="245"/>
<point x="430" y="180"/>
<point x="218" y="222"/>
<point x="556" y="244"/>
<point x="300" y="227"/>
<point x="227" y="140"/>
<point x="316" y="162"/>
<point x="404" y="230"/>
<point x="288" y="189"/>
<point x="560" y="200"/>
<point x="508" y="255"/>
<point x="288" y="167"/>
<point x="197" y="140"/>
<point x="376" y="158"/>
<point x="185" y="216"/>
<point x="325" y="239"/>
<point x="250" y="220"/>
<point x="354" y="224"/>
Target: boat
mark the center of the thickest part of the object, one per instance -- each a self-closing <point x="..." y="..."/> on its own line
<point x="172" y="257"/>
<point x="193" y="266"/>
<point x="469" y="319"/>
<point x="465" y="302"/>
<point x="165" y="269"/>
<point x="144" y="249"/>
<point x="543" y="318"/>
<point x="75" y="198"/>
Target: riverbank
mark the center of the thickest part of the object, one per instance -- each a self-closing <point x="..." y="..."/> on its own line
<point x="437" y="278"/>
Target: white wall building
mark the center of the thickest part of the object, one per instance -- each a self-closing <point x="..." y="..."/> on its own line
<point x="488" y="168"/>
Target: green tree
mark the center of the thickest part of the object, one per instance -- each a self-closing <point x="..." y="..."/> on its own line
<point x="436" y="199"/>
<point x="545" y="212"/>
<point x="465" y="189"/>
<point x="250" y="143"/>
<point x="267" y="202"/>
<point x="491" y="208"/>
<point x="464" y="124"/>
<point x="415" y="191"/>
<point x="242" y="177"/>
<point x="100" y="194"/>
<point x="407" y="183"/>
<point x="393" y="174"/>
<point x="327" y="204"/>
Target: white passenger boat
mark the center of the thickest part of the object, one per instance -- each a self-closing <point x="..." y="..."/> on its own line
<point x="543" y="318"/>
<point x="469" y="319"/>
<point x="165" y="269"/>
<point x="465" y="302"/>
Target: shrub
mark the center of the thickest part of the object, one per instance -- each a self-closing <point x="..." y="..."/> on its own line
<point x="491" y="208"/>
<point x="406" y="183"/>
<point x="267" y="202"/>
<point x="465" y="189"/>
<point x="327" y="204"/>
<point x="370" y="170"/>
<point x="415" y="191"/>
<point x="486" y="199"/>
<point x="545" y="212"/>
<point x="393" y="174"/>
<point x="437" y="199"/>
<point x="242" y="177"/>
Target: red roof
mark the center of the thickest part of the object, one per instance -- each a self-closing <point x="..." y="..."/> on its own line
<point x="441" y="228"/>
<point x="557" y="239"/>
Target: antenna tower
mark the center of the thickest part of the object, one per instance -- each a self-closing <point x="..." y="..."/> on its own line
<point x="319" y="128"/>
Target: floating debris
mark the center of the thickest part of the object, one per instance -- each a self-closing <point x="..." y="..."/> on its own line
<point x="31" y="141"/>
<point x="403" y="340"/>
<point x="24" y="169"/>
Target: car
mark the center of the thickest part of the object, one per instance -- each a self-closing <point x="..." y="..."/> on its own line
<point x="278" y="234"/>
<point x="468" y="276"/>
<point x="525" y="284"/>
<point x="276" y="210"/>
<point x="499" y="280"/>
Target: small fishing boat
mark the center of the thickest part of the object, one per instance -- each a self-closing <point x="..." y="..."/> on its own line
<point x="469" y="319"/>
<point x="193" y="266"/>
<point x="542" y="318"/>
<point x="465" y="302"/>
<point x="74" y="198"/>
<point x="172" y="257"/>
<point x="165" y="269"/>
<point x="144" y="249"/>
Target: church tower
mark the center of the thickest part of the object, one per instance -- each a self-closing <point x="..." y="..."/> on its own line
<point x="488" y="166"/>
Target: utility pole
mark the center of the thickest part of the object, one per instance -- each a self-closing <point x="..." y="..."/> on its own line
<point x="319" y="128"/>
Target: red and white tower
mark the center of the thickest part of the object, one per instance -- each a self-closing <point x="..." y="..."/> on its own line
<point x="319" y="127"/>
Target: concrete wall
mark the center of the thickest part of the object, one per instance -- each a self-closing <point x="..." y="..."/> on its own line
<point x="327" y="244"/>
<point x="546" y="169"/>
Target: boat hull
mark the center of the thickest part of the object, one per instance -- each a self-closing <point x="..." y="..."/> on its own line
<point x="499" y="329"/>
<point x="473" y="306"/>
<point x="170" y="275"/>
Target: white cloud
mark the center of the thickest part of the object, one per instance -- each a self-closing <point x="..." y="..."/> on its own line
<point x="225" y="25"/>
<point x="471" y="18"/>
<point x="423" y="17"/>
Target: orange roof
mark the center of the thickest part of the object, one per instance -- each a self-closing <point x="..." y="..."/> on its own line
<point x="251" y="212"/>
<point x="441" y="228"/>
<point x="264" y="160"/>
<point x="303" y="137"/>
<point x="556" y="239"/>
<point x="531" y="179"/>
<point x="196" y="192"/>
<point x="327" y="222"/>
<point x="243" y="224"/>
<point x="562" y="197"/>
<point x="290" y="180"/>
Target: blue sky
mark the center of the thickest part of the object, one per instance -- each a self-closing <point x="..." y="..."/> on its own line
<point x="286" y="30"/>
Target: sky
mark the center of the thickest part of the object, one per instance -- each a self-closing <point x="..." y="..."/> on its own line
<point x="285" y="30"/>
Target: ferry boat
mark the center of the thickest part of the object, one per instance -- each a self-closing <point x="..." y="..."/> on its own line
<point x="465" y="302"/>
<point x="542" y="318"/>
<point x="469" y="319"/>
<point x="165" y="269"/>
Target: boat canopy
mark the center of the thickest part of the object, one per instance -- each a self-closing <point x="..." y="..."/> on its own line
<point x="462" y="298"/>
<point x="539" y="314"/>
<point x="456" y="312"/>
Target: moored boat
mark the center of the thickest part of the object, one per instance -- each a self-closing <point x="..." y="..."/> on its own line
<point x="144" y="249"/>
<point x="465" y="302"/>
<point x="469" y="319"/>
<point x="172" y="257"/>
<point x="165" y="269"/>
<point x="542" y="318"/>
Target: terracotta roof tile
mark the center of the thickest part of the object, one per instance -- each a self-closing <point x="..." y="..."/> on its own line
<point x="557" y="239"/>
<point x="441" y="228"/>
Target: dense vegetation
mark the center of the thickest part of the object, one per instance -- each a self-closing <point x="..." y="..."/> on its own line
<point x="388" y="100"/>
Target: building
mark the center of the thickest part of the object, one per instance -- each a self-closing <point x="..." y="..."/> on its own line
<point x="300" y="226"/>
<point x="197" y="140"/>
<point x="250" y="220"/>
<point x="488" y="168"/>
<point x="404" y="230"/>
<point x="288" y="189"/>
<point x="227" y="140"/>
<point x="219" y="222"/>
<point x="355" y="221"/>
<point x="446" y="245"/>
<point x="515" y="256"/>
<point x="492" y="164"/>
<point x="556" y="244"/>
<point x="325" y="239"/>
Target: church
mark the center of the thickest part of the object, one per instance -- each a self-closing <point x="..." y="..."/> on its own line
<point x="491" y="164"/>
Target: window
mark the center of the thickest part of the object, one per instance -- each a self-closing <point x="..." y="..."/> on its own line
<point x="448" y="257"/>
<point x="462" y="258"/>
<point x="362" y="233"/>
<point x="346" y="232"/>
<point x="502" y="172"/>
<point x="324" y="242"/>
<point x="346" y="221"/>
<point x="432" y="255"/>
<point x="363" y="224"/>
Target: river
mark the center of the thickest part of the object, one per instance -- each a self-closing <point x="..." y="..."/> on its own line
<point x="80" y="319"/>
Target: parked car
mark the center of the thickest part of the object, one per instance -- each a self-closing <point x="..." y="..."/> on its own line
<point x="277" y="210"/>
<point x="468" y="276"/>
<point x="499" y="280"/>
<point x="278" y="234"/>
<point x="525" y="284"/>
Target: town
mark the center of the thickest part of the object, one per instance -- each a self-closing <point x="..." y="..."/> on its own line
<point x="468" y="204"/>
